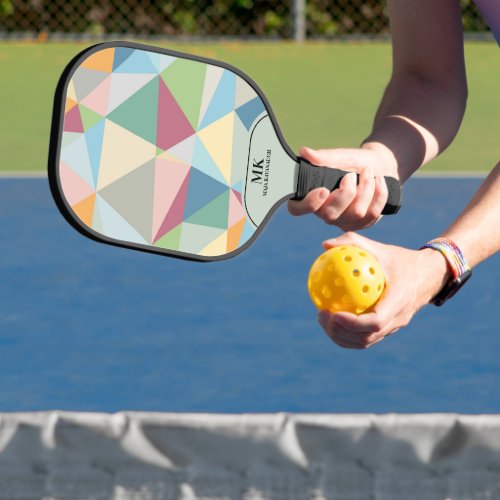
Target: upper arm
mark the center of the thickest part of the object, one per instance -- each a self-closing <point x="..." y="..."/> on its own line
<point x="427" y="40"/>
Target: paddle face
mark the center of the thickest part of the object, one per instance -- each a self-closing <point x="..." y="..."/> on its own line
<point x="164" y="152"/>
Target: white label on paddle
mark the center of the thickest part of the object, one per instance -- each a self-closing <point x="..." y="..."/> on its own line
<point x="270" y="172"/>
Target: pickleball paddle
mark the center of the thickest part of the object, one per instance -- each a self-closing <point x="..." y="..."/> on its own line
<point x="170" y="153"/>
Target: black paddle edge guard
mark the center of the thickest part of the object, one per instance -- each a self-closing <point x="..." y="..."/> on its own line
<point x="312" y="177"/>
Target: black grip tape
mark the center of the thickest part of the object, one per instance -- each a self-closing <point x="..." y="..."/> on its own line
<point x="312" y="177"/>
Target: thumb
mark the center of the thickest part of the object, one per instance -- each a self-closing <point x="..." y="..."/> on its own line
<point x="349" y="238"/>
<point x="338" y="157"/>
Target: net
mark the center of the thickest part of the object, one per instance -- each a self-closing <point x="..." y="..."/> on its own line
<point x="153" y="456"/>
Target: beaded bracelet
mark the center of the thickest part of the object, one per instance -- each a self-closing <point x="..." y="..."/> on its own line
<point x="452" y="254"/>
<point x="460" y="269"/>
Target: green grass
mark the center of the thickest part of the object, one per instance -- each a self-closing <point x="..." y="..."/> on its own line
<point x="323" y="94"/>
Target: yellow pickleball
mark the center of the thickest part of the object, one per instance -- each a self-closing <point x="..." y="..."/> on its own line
<point x="346" y="278"/>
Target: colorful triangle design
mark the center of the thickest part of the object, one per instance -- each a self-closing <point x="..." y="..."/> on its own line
<point x="173" y="126"/>
<point x="194" y="238"/>
<point x="110" y="223"/>
<point x="139" y="112"/>
<point x="137" y="62"/>
<point x="217" y="138"/>
<point x="75" y="156"/>
<point x="160" y="61"/>
<point x="85" y="210"/>
<point x="202" y="190"/>
<point x="183" y="151"/>
<point x="132" y="197"/>
<point x="73" y="121"/>
<point x="75" y="189"/>
<point x="171" y="239"/>
<point x="169" y="178"/>
<point x="175" y="214"/>
<point x="213" y="214"/>
<point x="89" y="117"/>
<point x="97" y="100"/>
<point x="85" y="81"/>
<point x="216" y="247"/>
<point x="222" y="102"/>
<point x="117" y="160"/>
<point x="101" y="60"/>
<point x="123" y="86"/>
<point x="121" y="55"/>
<point x="244" y="92"/>
<point x="94" y="137"/>
<point x="203" y="162"/>
<point x="250" y="111"/>
<point x="234" y="234"/>
<point x="248" y="232"/>
<point x="185" y="80"/>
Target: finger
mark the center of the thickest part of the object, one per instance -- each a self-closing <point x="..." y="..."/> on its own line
<point x="365" y="191"/>
<point x="348" y="238"/>
<point x="362" y="340"/>
<point x="344" y="344"/>
<point x="362" y="324"/>
<point x="338" y="201"/>
<point x="311" y="203"/>
<point x="380" y="196"/>
<point x="339" y="334"/>
<point x="338" y="158"/>
<point x="341" y="339"/>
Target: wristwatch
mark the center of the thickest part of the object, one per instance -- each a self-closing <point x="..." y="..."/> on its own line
<point x="460" y="270"/>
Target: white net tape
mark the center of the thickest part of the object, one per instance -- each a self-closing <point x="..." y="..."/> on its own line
<point x="160" y="456"/>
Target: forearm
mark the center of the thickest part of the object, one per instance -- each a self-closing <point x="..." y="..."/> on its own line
<point x="477" y="230"/>
<point x="416" y="120"/>
<point x="424" y="103"/>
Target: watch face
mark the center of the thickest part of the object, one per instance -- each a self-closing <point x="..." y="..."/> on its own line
<point x="451" y="288"/>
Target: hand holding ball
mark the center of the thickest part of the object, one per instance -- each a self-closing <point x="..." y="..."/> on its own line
<point x="346" y="278"/>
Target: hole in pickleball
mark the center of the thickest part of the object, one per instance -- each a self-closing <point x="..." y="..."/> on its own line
<point x="379" y="288"/>
<point x="346" y="299"/>
<point x="348" y="258"/>
<point x="331" y="268"/>
<point x="327" y="293"/>
<point x="339" y="281"/>
<point x="366" y="289"/>
<point x="372" y="270"/>
<point x="317" y="276"/>
<point x="356" y="273"/>
<point x="336" y="306"/>
<point x="362" y="254"/>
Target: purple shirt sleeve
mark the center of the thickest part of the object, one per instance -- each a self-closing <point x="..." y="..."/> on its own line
<point x="490" y="9"/>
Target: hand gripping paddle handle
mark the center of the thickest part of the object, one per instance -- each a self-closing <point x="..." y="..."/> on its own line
<point x="311" y="177"/>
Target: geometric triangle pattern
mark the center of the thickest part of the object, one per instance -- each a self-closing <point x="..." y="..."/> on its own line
<point x="154" y="150"/>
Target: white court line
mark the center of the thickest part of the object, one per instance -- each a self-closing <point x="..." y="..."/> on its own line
<point x="22" y="175"/>
<point x="454" y="174"/>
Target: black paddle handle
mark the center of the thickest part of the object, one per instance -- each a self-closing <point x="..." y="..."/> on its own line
<point x="312" y="177"/>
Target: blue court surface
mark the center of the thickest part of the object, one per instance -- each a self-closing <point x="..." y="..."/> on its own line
<point x="90" y="327"/>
